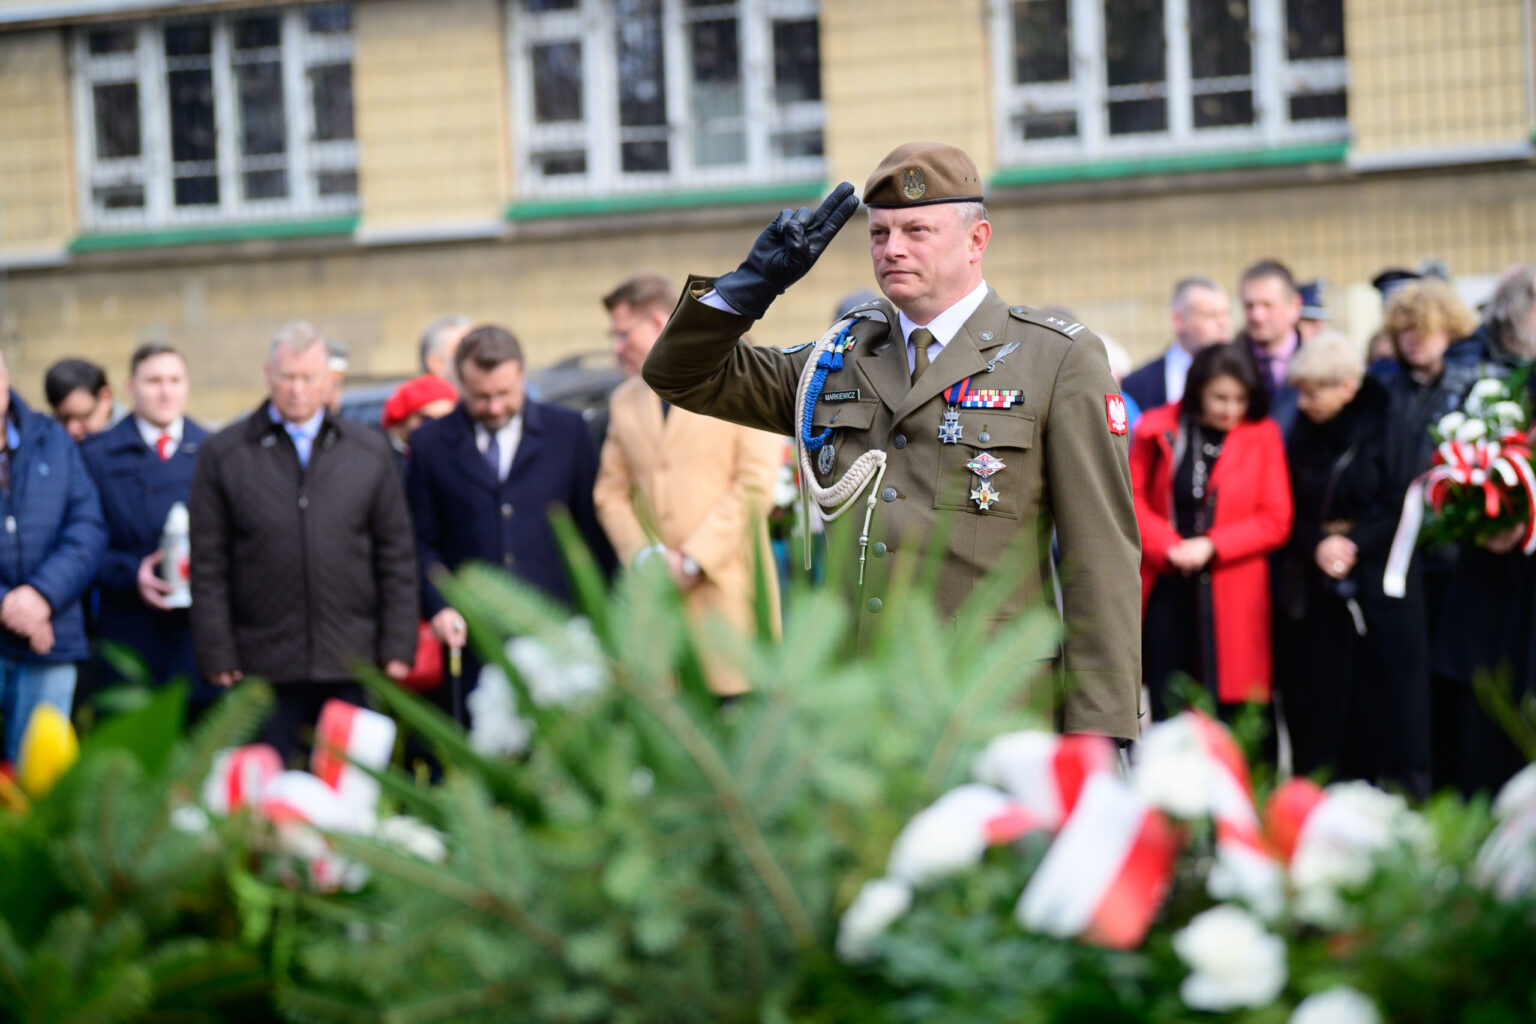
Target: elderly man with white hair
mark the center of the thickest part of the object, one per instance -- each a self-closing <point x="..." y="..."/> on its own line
<point x="303" y="565"/>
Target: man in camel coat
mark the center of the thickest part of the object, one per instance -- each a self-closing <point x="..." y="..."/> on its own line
<point x="685" y="488"/>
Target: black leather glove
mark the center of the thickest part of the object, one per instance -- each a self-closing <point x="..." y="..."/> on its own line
<point x="784" y="252"/>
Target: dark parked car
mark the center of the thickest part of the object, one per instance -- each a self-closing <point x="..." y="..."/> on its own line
<point x="581" y="382"/>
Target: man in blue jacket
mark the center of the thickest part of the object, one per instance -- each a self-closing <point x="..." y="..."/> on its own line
<point x="142" y="467"/>
<point x="50" y="543"/>
<point x="482" y="480"/>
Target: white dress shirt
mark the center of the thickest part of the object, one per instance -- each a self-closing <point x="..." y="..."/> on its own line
<point x="1175" y="369"/>
<point x="151" y="433"/>
<point x="507" y="439"/>
<point x="943" y="327"/>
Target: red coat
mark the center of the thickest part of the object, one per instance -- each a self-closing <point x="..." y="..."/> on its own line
<point x="1252" y="518"/>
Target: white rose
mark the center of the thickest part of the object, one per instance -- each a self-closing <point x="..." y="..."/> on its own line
<point x="947" y="836"/>
<point x="1472" y="430"/>
<point x="495" y="727"/>
<point x="1449" y="424"/>
<point x="1484" y="393"/>
<point x="1507" y="862"/>
<point x="879" y="904"/>
<point x="1247" y="876"/>
<point x="562" y="672"/>
<point x="1509" y="415"/>
<point x="1338" y="1005"/>
<point x="1173" y="770"/>
<point x="1517" y="794"/>
<point x="1233" y="961"/>
<point x="1341" y="841"/>
<point x="414" y="837"/>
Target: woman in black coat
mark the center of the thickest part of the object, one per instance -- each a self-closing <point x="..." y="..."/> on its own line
<point x="1352" y="671"/>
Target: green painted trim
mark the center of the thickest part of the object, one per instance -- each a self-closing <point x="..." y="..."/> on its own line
<point x="537" y="209"/>
<point x="215" y="233"/>
<point x="1328" y="152"/>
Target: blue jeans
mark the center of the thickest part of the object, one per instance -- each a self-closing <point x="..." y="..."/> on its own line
<point x="23" y="686"/>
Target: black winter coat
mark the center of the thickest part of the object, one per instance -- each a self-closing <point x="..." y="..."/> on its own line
<point x="299" y="574"/>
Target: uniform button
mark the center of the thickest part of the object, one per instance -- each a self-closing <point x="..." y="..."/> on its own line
<point x="901" y="441"/>
<point x="986" y="335"/>
<point x="875" y="604"/>
<point x="1017" y="310"/>
<point x="506" y="510"/>
<point x="889" y="494"/>
<point x="879" y="549"/>
<point x="983" y="437"/>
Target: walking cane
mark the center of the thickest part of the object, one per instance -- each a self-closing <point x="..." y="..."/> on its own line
<point x="456" y="681"/>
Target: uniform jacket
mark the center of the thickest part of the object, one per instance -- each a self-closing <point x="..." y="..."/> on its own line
<point x="137" y="492"/>
<point x="53" y="532"/>
<point x="696" y="485"/>
<point x="297" y="574"/>
<point x="1252" y="495"/>
<point x="1148" y="385"/>
<point x="1064" y="468"/>
<point x="462" y="513"/>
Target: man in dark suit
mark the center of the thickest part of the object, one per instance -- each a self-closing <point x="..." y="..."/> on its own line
<point x="1271" y="313"/>
<point x="142" y="468"/>
<point x="481" y="481"/>
<point x="1200" y="314"/>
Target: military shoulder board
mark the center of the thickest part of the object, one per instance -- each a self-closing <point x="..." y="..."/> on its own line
<point x="1060" y="324"/>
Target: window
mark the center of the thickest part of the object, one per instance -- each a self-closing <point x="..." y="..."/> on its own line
<point x="1098" y="79"/>
<point x="644" y="95"/>
<point x="206" y="120"/>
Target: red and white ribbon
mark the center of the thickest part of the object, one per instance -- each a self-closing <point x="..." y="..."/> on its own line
<point x="1044" y="772"/>
<point x="301" y="807"/>
<point x="346" y="734"/>
<point x="1497" y="468"/>
<point x="239" y="777"/>
<point x="1107" y="873"/>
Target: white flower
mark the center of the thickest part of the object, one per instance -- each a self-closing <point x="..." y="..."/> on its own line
<point x="1339" y="1005"/>
<point x="1023" y="765"/>
<point x="1517" y="794"/>
<point x="1449" y="424"/>
<point x="562" y="672"/>
<point x="642" y="781"/>
<point x="875" y="909"/>
<point x="1340" y="842"/>
<point x="414" y="837"/>
<point x="1507" y="861"/>
<point x="1472" y="430"/>
<point x="189" y="818"/>
<point x="784" y="490"/>
<point x="1173" y="769"/>
<point x="1233" y="961"/>
<point x="1247" y="876"/>
<point x="1485" y="393"/>
<point x="495" y="727"/>
<point x="947" y="836"/>
<point x="1509" y="415"/>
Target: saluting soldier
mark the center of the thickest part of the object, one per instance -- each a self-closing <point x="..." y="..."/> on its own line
<point x="976" y="424"/>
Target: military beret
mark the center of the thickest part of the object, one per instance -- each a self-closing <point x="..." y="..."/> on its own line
<point x="1312" y="305"/>
<point x="920" y="173"/>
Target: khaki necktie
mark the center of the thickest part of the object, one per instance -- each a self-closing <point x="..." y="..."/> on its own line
<point x="921" y="338"/>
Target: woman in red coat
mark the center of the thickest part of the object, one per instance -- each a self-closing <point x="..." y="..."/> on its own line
<point x="1213" y="500"/>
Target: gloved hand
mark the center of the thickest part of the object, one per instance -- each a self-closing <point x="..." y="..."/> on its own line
<point x="784" y="252"/>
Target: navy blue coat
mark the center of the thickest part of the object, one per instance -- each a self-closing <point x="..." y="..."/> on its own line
<point x="137" y="492"/>
<point x="53" y="533"/>
<point x="1148" y="385"/>
<point x="462" y="513"/>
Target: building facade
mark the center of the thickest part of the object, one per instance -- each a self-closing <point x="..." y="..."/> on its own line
<point x="201" y="172"/>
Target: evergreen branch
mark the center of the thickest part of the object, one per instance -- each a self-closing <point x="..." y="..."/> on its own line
<point x="448" y="1007"/>
<point x="124" y="999"/>
<point x="309" y="1005"/>
<point x="748" y="836"/>
<point x="13" y="961"/>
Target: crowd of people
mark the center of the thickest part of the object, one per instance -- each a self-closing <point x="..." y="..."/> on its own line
<point x="1270" y="473"/>
<point x="1268" y="469"/>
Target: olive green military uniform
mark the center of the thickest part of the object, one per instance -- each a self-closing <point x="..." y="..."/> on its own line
<point x="1064" y="465"/>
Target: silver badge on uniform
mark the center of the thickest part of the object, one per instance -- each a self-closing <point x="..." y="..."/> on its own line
<point x="826" y="459"/>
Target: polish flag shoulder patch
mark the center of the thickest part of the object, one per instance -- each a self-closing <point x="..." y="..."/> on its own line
<point x="1114" y="410"/>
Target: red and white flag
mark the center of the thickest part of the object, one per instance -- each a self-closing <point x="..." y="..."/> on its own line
<point x="347" y="733"/>
<point x="1044" y="772"/>
<point x="239" y="776"/>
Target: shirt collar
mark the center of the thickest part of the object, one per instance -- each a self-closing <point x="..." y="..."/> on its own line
<point x="151" y="433"/>
<point x="12" y="435"/>
<point x="948" y="323"/>
<point x="515" y="423"/>
<point x="310" y="428"/>
<point x="1178" y="358"/>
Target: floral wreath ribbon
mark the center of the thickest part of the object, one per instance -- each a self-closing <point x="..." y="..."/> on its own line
<point x="1480" y="464"/>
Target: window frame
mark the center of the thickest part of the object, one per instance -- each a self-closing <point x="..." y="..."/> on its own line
<point x="598" y="134"/>
<point x="305" y="158"/>
<point x="1274" y="80"/>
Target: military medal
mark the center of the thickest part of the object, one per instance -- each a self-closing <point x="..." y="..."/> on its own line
<point x="950" y="430"/>
<point x="984" y="495"/>
<point x="826" y="459"/>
